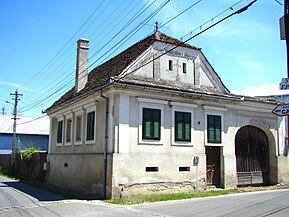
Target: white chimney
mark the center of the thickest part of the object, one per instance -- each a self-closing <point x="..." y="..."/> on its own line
<point x="81" y="64"/>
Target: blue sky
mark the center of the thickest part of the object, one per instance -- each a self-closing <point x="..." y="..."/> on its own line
<point x="38" y="42"/>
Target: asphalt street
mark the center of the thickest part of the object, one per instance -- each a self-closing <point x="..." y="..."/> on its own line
<point x="18" y="199"/>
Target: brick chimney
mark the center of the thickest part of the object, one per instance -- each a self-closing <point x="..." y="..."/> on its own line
<point x="81" y="74"/>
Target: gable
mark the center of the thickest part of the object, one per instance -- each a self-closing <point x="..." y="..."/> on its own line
<point x="180" y="67"/>
<point x="147" y="61"/>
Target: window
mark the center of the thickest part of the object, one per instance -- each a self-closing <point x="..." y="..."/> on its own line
<point x="78" y="129"/>
<point x="90" y="125"/>
<point x="170" y="65"/>
<point x="184" y="68"/>
<point x="68" y="130"/>
<point x="152" y="169"/>
<point x="151" y="124"/>
<point x="183" y="126"/>
<point x="214" y="129"/>
<point x="59" y="131"/>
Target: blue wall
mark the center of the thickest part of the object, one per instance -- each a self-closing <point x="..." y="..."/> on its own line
<point x="23" y="141"/>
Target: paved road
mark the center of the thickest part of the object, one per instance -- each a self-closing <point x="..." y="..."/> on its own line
<point x="269" y="203"/>
<point x="17" y="199"/>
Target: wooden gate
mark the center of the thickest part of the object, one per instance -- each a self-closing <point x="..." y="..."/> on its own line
<point x="213" y="165"/>
<point x="252" y="155"/>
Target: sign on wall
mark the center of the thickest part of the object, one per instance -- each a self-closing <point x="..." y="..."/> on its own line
<point x="284" y="85"/>
<point x="281" y="110"/>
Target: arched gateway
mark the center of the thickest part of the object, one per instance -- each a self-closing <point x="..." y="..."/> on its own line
<point x="252" y="155"/>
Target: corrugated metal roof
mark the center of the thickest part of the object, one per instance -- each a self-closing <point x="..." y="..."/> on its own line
<point x="25" y="125"/>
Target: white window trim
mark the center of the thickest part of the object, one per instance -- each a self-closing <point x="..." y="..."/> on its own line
<point x="182" y="107"/>
<point x="151" y="104"/>
<point x="90" y="109"/>
<point x="78" y="113"/>
<point x="218" y="113"/>
<point x="68" y="117"/>
<point x="60" y="118"/>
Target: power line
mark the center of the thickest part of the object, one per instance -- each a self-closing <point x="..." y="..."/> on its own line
<point x="213" y="18"/>
<point x="153" y="14"/>
<point x="206" y="29"/>
<point x="59" y="69"/>
<point x="39" y="73"/>
<point x="146" y="20"/>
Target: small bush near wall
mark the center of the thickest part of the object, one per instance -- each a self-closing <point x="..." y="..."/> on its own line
<point x="27" y="154"/>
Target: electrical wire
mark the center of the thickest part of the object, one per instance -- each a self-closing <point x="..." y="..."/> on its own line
<point x="206" y="29"/>
<point x="46" y="98"/>
<point x="59" y="69"/>
<point x="239" y="11"/>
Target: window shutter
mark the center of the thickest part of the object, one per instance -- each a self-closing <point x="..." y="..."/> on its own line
<point x="214" y="129"/>
<point x="156" y="116"/>
<point x="210" y="128"/>
<point x="151" y="124"/>
<point x="218" y="128"/>
<point x="187" y="126"/>
<point x="182" y="126"/>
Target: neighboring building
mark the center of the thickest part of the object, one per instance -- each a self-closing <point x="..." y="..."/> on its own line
<point x="157" y="118"/>
<point x="30" y="131"/>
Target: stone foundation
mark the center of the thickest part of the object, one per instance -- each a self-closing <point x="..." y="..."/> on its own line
<point x="159" y="188"/>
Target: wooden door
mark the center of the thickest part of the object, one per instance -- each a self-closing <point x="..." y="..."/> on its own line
<point x="252" y="155"/>
<point x="213" y="165"/>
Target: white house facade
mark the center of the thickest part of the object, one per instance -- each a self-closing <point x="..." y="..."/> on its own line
<point x="157" y="118"/>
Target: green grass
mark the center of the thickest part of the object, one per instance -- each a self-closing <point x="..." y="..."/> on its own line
<point x="127" y="200"/>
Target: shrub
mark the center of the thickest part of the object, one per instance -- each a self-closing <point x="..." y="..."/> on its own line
<point x="28" y="153"/>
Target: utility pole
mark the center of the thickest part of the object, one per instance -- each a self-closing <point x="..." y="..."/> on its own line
<point x="16" y="99"/>
<point x="286" y="23"/>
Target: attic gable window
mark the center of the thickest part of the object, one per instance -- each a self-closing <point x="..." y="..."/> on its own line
<point x="170" y="65"/>
<point x="184" y="68"/>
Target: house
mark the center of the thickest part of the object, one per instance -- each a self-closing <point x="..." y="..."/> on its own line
<point x="158" y="118"/>
<point x="30" y="131"/>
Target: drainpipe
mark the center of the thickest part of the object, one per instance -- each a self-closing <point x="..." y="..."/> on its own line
<point x="105" y="143"/>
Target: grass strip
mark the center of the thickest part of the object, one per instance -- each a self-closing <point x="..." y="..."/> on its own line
<point x="137" y="199"/>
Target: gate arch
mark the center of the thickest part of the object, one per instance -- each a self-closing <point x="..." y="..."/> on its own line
<point x="252" y="156"/>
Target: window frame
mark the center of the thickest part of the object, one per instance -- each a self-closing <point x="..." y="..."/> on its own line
<point x="171" y="65"/>
<point x="88" y="109"/>
<point x="215" y="111"/>
<point x="78" y="113"/>
<point x="216" y="126"/>
<point x="183" y="125"/>
<point x="60" y="119"/>
<point x="68" y="131"/>
<point x="184" y="66"/>
<point x="185" y="108"/>
<point x="154" y="114"/>
<point x="151" y="104"/>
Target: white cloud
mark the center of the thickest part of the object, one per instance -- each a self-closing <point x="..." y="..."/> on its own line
<point x="240" y="29"/>
<point x="250" y="64"/>
<point x="262" y="90"/>
<point x="17" y="86"/>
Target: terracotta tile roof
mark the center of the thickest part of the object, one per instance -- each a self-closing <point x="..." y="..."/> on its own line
<point x="113" y="67"/>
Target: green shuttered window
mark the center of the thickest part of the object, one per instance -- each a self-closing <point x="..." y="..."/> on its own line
<point x="90" y="125"/>
<point x="183" y="126"/>
<point x="214" y="129"/>
<point x="151" y="124"/>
